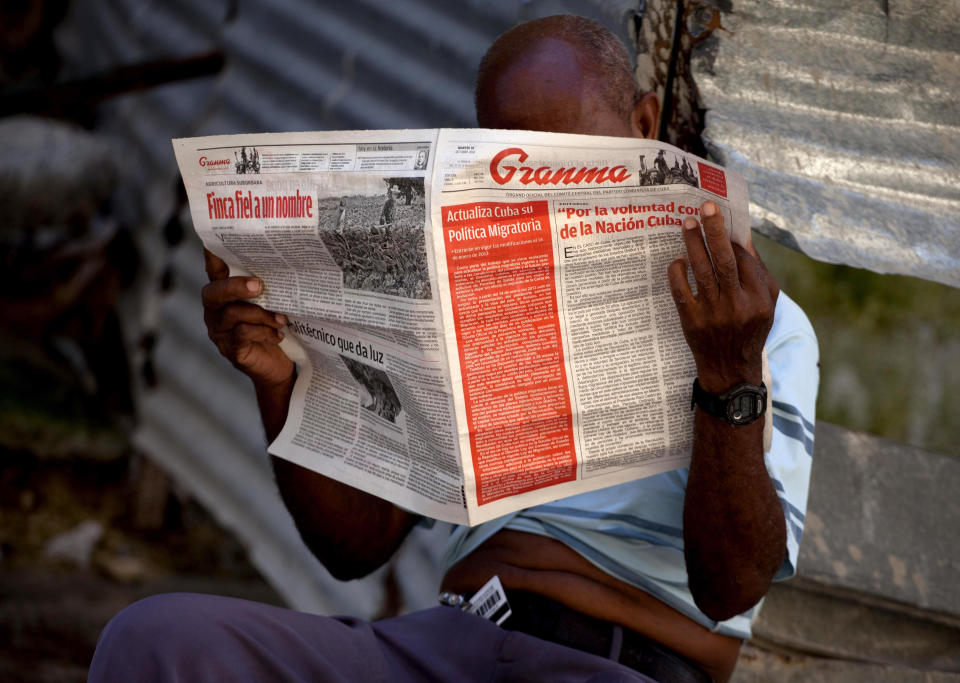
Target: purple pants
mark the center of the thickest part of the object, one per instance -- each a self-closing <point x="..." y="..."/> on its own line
<point x="186" y="637"/>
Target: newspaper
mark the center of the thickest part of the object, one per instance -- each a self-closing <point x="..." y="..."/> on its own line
<point x="481" y="319"/>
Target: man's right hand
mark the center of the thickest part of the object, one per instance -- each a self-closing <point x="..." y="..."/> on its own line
<point x="351" y="532"/>
<point x="246" y="334"/>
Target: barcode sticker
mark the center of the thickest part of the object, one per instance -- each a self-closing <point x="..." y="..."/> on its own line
<point x="490" y="602"/>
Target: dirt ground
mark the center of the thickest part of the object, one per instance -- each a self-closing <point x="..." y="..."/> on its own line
<point x="142" y="537"/>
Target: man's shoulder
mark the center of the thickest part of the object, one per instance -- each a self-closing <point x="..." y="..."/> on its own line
<point x="789" y="322"/>
<point x="794" y="365"/>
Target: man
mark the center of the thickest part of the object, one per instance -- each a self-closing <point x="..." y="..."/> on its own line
<point x="661" y="164"/>
<point x="421" y="162"/>
<point x="341" y="214"/>
<point x="660" y="574"/>
<point x="386" y="214"/>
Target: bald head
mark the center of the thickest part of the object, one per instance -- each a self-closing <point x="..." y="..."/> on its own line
<point x="562" y="74"/>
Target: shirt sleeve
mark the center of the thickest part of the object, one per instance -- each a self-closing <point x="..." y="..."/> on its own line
<point x="794" y="368"/>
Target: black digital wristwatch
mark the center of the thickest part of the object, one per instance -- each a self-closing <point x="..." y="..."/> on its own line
<point x="741" y="405"/>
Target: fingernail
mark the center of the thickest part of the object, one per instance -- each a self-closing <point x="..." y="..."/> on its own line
<point x="690" y="223"/>
<point x="708" y="208"/>
<point x="253" y="285"/>
<point x="281" y="334"/>
<point x="280" y="318"/>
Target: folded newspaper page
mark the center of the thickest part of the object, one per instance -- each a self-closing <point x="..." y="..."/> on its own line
<point x="481" y="319"/>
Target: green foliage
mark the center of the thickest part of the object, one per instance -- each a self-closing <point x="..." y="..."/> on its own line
<point x="889" y="347"/>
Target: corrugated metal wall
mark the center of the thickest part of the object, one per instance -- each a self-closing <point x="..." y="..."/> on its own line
<point x="844" y="119"/>
<point x="291" y="65"/>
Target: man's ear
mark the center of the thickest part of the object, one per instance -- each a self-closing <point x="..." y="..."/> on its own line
<point x="645" y="117"/>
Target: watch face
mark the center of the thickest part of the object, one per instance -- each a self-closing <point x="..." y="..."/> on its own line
<point x="744" y="406"/>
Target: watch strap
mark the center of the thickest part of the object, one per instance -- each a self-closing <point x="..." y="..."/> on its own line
<point x="716" y="405"/>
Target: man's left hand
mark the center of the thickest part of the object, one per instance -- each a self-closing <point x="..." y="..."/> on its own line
<point x="726" y="322"/>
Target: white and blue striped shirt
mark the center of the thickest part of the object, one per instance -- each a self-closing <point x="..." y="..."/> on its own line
<point x="634" y="531"/>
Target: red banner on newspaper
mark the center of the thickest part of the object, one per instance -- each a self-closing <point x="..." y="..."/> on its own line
<point x="500" y="262"/>
<point x="712" y="179"/>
